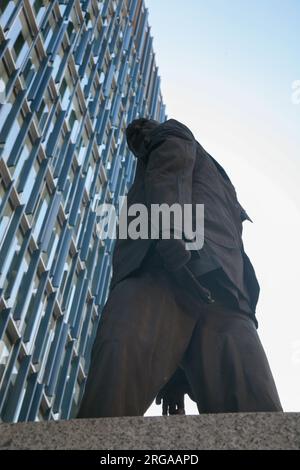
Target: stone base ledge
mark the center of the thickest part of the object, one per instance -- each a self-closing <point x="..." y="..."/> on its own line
<point x="192" y="432"/>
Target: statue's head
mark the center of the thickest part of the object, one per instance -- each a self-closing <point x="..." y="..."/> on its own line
<point x="137" y="135"/>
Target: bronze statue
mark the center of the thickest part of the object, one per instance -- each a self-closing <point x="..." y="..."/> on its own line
<point x="176" y="320"/>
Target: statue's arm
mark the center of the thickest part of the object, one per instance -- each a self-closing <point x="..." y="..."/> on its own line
<point x="169" y="170"/>
<point x="168" y="180"/>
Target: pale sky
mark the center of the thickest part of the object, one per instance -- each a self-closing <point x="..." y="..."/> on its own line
<point x="227" y="70"/>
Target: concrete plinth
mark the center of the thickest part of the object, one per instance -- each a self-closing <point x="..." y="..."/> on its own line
<point x="211" y="431"/>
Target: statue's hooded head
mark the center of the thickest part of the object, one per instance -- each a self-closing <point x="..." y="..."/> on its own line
<point x="137" y="135"/>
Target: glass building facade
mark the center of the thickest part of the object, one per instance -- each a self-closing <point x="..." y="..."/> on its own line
<point x="73" y="74"/>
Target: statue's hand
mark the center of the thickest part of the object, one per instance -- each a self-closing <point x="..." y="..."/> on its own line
<point x="172" y="394"/>
<point x="173" y="253"/>
<point x="172" y="401"/>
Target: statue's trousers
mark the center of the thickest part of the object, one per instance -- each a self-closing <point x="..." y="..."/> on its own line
<point x="149" y="326"/>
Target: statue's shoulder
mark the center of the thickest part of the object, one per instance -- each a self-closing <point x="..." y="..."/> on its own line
<point x="172" y="127"/>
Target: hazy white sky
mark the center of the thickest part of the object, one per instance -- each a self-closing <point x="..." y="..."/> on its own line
<point x="227" y="69"/>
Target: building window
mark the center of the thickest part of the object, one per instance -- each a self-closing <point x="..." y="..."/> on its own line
<point x="6" y="9"/>
<point x="16" y="170"/>
<point x="48" y="256"/>
<point x="5" y="221"/>
<point x="31" y="177"/>
<point x="65" y="94"/>
<point x="3" y="5"/>
<point x="20" y="41"/>
<point x="37" y="5"/>
<point x="47" y="34"/>
<point x="13" y="132"/>
<point x="15" y="276"/>
<point x="5" y="349"/>
<point x="40" y="214"/>
<point x="70" y="29"/>
<point x="2" y="190"/>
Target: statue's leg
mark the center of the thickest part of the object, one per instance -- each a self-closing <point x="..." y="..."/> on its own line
<point x="226" y="365"/>
<point x="142" y="336"/>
